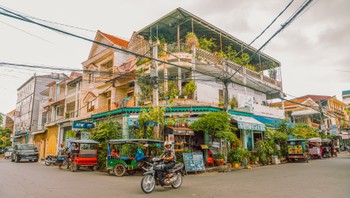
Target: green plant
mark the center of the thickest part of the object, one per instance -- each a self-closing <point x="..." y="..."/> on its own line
<point x="264" y="151"/>
<point x="191" y="40"/>
<point x="207" y="44"/>
<point x="218" y="156"/>
<point x="71" y="134"/>
<point x="238" y="154"/>
<point x="233" y="102"/>
<point x="189" y="89"/>
<point x="102" y="133"/>
<point x="215" y="123"/>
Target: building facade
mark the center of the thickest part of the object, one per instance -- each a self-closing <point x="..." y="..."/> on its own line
<point x="26" y="119"/>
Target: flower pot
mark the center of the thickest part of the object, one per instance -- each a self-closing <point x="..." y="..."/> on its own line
<point x="219" y="162"/>
<point x="235" y="165"/>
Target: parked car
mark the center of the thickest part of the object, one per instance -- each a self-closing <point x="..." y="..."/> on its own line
<point x="25" y="151"/>
<point x="8" y="152"/>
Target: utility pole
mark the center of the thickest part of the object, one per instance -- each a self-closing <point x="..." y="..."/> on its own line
<point x="225" y="82"/>
<point x="154" y="74"/>
<point x="321" y="116"/>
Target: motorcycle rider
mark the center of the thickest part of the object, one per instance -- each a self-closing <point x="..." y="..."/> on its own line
<point x="169" y="158"/>
<point x="61" y="152"/>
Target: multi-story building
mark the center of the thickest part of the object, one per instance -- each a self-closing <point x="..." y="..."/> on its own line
<point x="27" y="107"/>
<point x="346" y="97"/>
<point x="208" y="67"/>
<point x="60" y="108"/>
<point x="321" y="112"/>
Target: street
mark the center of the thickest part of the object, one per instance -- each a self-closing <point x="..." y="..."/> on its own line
<point x="318" y="178"/>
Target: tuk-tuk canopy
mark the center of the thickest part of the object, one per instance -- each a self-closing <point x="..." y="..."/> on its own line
<point x="85" y="142"/>
<point x="315" y="140"/>
<point x="126" y="141"/>
<point x="326" y="140"/>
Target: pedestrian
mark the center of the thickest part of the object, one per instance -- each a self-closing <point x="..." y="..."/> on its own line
<point x="60" y="155"/>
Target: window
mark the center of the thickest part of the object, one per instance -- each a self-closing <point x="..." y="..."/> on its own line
<point x="90" y="106"/>
<point x="108" y="64"/>
<point x="91" y="77"/>
<point x="221" y="95"/>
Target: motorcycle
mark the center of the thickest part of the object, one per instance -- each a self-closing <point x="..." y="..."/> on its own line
<point x="156" y="176"/>
<point x="53" y="159"/>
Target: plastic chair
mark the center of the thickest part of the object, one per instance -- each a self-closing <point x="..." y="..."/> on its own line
<point x="210" y="161"/>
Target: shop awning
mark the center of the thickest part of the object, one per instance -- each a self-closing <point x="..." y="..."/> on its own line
<point x="270" y="122"/>
<point x="38" y="132"/>
<point x="344" y="135"/>
<point x="305" y="112"/>
<point x="248" y="123"/>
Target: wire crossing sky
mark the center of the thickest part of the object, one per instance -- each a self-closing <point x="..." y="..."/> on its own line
<point x="312" y="51"/>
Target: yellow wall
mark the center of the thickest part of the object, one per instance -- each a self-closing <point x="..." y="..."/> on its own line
<point x="39" y="141"/>
<point x="52" y="133"/>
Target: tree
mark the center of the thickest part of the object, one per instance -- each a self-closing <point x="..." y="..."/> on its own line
<point x="105" y="131"/>
<point x="304" y="131"/>
<point x="216" y="124"/>
<point x="148" y="119"/>
<point x="5" y="133"/>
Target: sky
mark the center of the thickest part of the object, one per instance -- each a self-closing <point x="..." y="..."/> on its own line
<point x="313" y="50"/>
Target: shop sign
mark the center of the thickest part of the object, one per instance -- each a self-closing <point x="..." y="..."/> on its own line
<point x="83" y="125"/>
<point x="216" y="144"/>
<point x="182" y="132"/>
<point x="250" y="126"/>
<point x="272" y="112"/>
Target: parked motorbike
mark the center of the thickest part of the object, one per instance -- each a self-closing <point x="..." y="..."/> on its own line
<point x="156" y="176"/>
<point x="53" y="160"/>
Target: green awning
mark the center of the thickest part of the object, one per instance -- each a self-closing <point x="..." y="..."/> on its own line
<point x="248" y="123"/>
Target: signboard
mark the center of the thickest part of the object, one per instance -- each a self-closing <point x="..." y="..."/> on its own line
<point x="85" y="135"/>
<point x="83" y="125"/>
<point x="193" y="162"/>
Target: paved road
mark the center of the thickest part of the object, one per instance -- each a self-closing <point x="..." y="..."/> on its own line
<point x="319" y="178"/>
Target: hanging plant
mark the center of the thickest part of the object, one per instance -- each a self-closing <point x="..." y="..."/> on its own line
<point x="191" y="40"/>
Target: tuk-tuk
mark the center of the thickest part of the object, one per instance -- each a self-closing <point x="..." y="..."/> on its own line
<point x="298" y="150"/>
<point x="326" y="148"/>
<point x="83" y="153"/>
<point x="131" y="155"/>
<point x="315" y="150"/>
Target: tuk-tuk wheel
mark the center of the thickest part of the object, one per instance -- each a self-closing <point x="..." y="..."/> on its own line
<point x="119" y="170"/>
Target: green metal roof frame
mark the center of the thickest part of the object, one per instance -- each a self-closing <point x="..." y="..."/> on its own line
<point x="167" y="110"/>
<point x="166" y="27"/>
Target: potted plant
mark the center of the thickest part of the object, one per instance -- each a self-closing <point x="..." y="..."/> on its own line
<point x="189" y="89"/>
<point x="219" y="159"/>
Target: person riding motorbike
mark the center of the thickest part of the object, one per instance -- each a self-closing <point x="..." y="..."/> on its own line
<point x="169" y="158"/>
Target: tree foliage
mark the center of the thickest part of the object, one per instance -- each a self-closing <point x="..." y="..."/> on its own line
<point x="304" y="131"/>
<point x="104" y="132"/>
<point x="5" y="133"/>
<point x="148" y="119"/>
<point x="216" y="124"/>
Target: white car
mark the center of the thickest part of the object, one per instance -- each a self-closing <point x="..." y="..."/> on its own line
<point x="8" y="152"/>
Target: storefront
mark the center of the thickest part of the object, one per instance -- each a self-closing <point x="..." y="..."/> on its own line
<point x="251" y="130"/>
<point x="40" y="141"/>
<point x="183" y="138"/>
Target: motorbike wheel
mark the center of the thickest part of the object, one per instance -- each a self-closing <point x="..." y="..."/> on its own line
<point x="119" y="170"/>
<point x="148" y="183"/>
<point x="47" y="162"/>
<point x="177" y="183"/>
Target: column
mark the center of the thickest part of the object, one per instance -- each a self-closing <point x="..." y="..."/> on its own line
<point x="125" y="127"/>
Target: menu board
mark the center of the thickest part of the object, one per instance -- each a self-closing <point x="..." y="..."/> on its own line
<point x="193" y="162"/>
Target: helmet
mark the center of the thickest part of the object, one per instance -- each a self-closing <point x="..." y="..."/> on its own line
<point x="166" y="143"/>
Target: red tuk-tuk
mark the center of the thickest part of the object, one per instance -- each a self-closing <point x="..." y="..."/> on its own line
<point x="315" y="149"/>
<point x="83" y="153"/>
